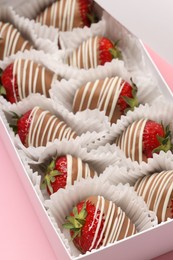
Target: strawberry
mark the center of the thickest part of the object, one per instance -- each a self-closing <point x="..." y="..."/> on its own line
<point x="144" y="137"/>
<point x="23" y="124"/>
<point x="57" y="176"/>
<point x="37" y="127"/>
<point x="94" y="51"/>
<point x="127" y="99"/>
<point x="86" y="13"/>
<point x="113" y="95"/>
<point x="107" y="50"/>
<point x="66" y="15"/>
<point x="92" y="223"/>
<point x="156" y="138"/>
<point x="8" y="85"/>
<point x="83" y="222"/>
<point x="24" y="77"/>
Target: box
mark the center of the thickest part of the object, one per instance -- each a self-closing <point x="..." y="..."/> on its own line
<point x="136" y="247"/>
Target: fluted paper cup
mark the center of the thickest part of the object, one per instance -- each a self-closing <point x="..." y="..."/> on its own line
<point x="61" y="203"/>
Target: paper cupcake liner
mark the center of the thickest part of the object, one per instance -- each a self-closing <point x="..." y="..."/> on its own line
<point x="34" y="157"/>
<point x="90" y="131"/>
<point x="7" y="14"/>
<point x="61" y="203"/>
<point x="63" y="91"/>
<point x="49" y="32"/>
<point x="159" y="112"/>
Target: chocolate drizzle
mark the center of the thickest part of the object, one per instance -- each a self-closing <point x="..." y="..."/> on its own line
<point x="101" y="94"/>
<point x="45" y="128"/>
<point x="157" y="191"/>
<point x="11" y="41"/>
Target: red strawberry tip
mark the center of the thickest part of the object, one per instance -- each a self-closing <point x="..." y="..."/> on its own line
<point x="132" y="102"/>
<point x="76" y="221"/>
<point x="165" y="142"/>
<point x="49" y="177"/>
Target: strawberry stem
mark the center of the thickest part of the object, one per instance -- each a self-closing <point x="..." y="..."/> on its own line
<point x="132" y="102"/>
<point x="165" y="142"/>
<point x="49" y="178"/>
<point x="76" y="222"/>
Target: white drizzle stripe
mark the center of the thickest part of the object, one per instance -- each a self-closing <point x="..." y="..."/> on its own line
<point x="36" y="130"/>
<point x="162" y="183"/>
<point x="11" y="41"/>
<point x="83" y="96"/>
<point x="15" y="43"/>
<point x="13" y="81"/>
<point x="24" y="79"/>
<point x="86" y="54"/>
<point x="105" y="82"/>
<point x="19" y="78"/>
<point x="24" y="45"/>
<point x="101" y="203"/>
<point x="48" y="124"/>
<point x="56" y="130"/>
<point x="43" y="81"/>
<point x="119" y="88"/>
<point x="109" y="217"/>
<point x="35" y="80"/>
<point x="51" y="129"/>
<point x="80" y="170"/>
<point x="121" y="221"/>
<point x="92" y="93"/>
<point x="110" y="212"/>
<point x="7" y="41"/>
<point x="127" y="142"/>
<point x="30" y="77"/>
<point x="114" y="80"/>
<point x="105" y="93"/>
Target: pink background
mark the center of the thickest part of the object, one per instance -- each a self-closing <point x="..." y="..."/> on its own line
<point x="22" y="237"/>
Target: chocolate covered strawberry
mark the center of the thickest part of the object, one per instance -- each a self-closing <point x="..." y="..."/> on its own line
<point x="24" y="77"/>
<point x="93" y="52"/>
<point x="144" y="137"/>
<point x="112" y="95"/>
<point x="97" y="222"/>
<point x="65" y="170"/>
<point x="68" y="14"/>
<point x="37" y="127"/>
<point x="11" y="41"/>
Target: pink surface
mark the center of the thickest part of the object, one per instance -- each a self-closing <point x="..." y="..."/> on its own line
<point x="22" y="237"/>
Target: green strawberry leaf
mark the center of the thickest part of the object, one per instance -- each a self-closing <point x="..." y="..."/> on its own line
<point x="2" y="91"/>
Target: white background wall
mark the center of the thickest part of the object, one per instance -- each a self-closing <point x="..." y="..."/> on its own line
<point x="150" y="20"/>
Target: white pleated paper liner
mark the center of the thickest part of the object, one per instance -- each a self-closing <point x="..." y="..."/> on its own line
<point x="61" y="203"/>
<point x="49" y="32"/>
<point x="63" y="92"/>
<point x="160" y="112"/>
<point x="34" y="158"/>
<point x="89" y="130"/>
<point x="7" y="14"/>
